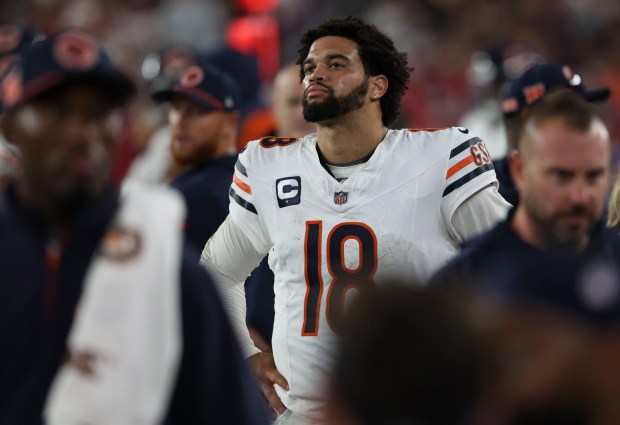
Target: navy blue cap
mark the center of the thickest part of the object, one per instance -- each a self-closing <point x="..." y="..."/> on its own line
<point x="207" y="86"/>
<point x="540" y="79"/>
<point x="71" y="55"/>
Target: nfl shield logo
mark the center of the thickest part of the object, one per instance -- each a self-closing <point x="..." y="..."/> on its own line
<point x="341" y="197"/>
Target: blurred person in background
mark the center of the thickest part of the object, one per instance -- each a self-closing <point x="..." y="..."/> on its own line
<point x="203" y="121"/>
<point x="545" y="367"/>
<point x="486" y="75"/>
<point x="331" y="209"/>
<point x="159" y="70"/>
<point x="533" y="85"/>
<point x="203" y="117"/>
<point x="286" y="104"/>
<point x="488" y="72"/>
<point x="255" y="119"/>
<point x="613" y="207"/>
<point x="447" y="356"/>
<point x="105" y="316"/>
<point x="553" y="249"/>
<point x="9" y="163"/>
<point x="15" y="38"/>
<point x="406" y="356"/>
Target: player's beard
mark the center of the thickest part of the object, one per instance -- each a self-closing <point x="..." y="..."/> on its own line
<point x="334" y="107"/>
<point x="559" y="239"/>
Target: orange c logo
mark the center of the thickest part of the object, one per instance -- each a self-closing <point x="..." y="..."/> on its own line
<point x="76" y="51"/>
<point x="192" y="76"/>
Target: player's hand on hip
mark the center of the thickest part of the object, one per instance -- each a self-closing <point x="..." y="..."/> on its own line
<point x="268" y="376"/>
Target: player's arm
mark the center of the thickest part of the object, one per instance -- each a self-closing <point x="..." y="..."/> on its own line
<point x="470" y="202"/>
<point x="479" y="213"/>
<point x="235" y="249"/>
<point x="230" y="257"/>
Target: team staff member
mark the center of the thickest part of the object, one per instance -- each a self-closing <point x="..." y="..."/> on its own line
<point x="203" y="118"/>
<point x="554" y="248"/>
<point x="536" y="82"/>
<point x="341" y="209"/>
<point x="104" y="317"/>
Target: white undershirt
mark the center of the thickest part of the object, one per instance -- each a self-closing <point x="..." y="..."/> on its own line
<point x="342" y="172"/>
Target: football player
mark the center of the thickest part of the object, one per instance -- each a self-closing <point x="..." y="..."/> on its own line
<point x="345" y="208"/>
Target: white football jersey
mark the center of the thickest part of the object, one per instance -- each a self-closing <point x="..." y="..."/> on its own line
<point x="327" y="240"/>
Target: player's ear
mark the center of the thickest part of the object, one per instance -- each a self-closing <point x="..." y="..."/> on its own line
<point x="377" y="86"/>
<point x="515" y="162"/>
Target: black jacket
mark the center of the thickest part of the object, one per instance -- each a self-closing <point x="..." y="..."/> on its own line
<point x="506" y="186"/>
<point x="500" y="263"/>
<point x="205" y="191"/>
<point x="40" y="286"/>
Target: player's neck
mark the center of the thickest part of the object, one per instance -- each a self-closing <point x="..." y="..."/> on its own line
<point x="350" y="138"/>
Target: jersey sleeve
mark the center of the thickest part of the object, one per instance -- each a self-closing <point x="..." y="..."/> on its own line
<point x="469" y="170"/>
<point x="244" y="207"/>
<point x="479" y="213"/>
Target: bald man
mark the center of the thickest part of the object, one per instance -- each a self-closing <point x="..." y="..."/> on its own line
<point x="553" y="248"/>
<point x="562" y="175"/>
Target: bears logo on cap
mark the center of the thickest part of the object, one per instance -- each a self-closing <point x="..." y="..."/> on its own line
<point x="192" y="76"/>
<point x="533" y="93"/>
<point x="76" y="51"/>
<point x="10" y="36"/>
<point x="121" y="244"/>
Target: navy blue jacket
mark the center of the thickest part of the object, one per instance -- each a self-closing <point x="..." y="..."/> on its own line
<point x="506" y="186"/>
<point x="500" y="263"/>
<point x="205" y="190"/>
<point x="38" y="296"/>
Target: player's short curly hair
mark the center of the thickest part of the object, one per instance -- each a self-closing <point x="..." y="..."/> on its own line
<point x="377" y="52"/>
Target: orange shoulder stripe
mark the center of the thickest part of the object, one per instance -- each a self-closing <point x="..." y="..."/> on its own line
<point x="243" y="186"/>
<point x="459" y="166"/>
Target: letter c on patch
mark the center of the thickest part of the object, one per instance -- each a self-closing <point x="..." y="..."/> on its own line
<point x="288" y="191"/>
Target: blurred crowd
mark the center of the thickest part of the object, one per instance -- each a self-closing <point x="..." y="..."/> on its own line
<point x="463" y="51"/>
